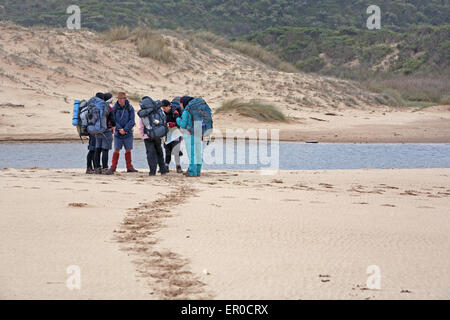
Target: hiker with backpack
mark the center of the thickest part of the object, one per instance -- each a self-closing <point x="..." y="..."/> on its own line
<point x="153" y="127"/>
<point x="104" y="136"/>
<point x="123" y="137"/>
<point x="197" y="122"/>
<point x="172" y="112"/>
<point x="79" y="120"/>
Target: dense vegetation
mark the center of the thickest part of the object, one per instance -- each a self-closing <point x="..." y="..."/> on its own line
<point x="324" y="36"/>
<point x="356" y="53"/>
<point x="229" y="17"/>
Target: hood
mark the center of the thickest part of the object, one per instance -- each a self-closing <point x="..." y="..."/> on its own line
<point x="118" y="106"/>
<point x="176" y="101"/>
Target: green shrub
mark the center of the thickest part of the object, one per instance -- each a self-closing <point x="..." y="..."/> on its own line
<point x="253" y="109"/>
<point x="413" y="64"/>
<point x="311" y="65"/>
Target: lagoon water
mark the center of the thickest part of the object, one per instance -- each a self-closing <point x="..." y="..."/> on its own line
<point x="246" y="156"/>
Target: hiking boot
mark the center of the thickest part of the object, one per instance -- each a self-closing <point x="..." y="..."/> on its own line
<point x="167" y="168"/>
<point x="98" y="171"/>
<point x="90" y="171"/>
<point x="179" y="170"/>
<point x="130" y="167"/>
<point x="109" y="172"/>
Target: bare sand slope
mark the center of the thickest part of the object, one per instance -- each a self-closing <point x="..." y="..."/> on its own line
<point x="226" y="235"/>
<point x="42" y="71"/>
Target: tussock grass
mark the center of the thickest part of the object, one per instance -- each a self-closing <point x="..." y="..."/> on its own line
<point x="116" y="34"/>
<point x="154" y="48"/>
<point x="253" y="109"/>
<point x="413" y="91"/>
<point x="148" y="43"/>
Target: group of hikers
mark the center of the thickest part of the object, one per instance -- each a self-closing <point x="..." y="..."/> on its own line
<point x="109" y="124"/>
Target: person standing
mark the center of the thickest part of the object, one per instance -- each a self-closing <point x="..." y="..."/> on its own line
<point x="103" y="141"/>
<point x="152" y="126"/>
<point x="193" y="141"/>
<point x="123" y="137"/>
<point x="173" y="147"/>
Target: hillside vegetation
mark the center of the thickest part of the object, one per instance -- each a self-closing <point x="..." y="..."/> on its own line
<point x="230" y="17"/>
<point x="324" y="36"/>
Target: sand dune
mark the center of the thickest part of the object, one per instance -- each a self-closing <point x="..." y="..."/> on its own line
<point x="226" y="235"/>
<point x="43" y="70"/>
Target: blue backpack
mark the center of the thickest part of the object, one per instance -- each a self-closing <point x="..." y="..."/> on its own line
<point x="200" y="112"/>
<point x="79" y="117"/>
<point x="97" y="114"/>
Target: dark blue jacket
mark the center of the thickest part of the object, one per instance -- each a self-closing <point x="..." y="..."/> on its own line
<point x="125" y="119"/>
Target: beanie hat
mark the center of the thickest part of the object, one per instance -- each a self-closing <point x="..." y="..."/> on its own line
<point x="176" y="100"/>
<point x="108" y="97"/>
<point x="185" y="100"/>
<point x="100" y="95"/>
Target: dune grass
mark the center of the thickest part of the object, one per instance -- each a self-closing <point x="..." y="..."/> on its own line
<point x="148" y="43"/>
<point x="412" y="91"/>
<point x="249" y="49"/>
<point x="253" y="109"/>
<point x="116" y="34"/>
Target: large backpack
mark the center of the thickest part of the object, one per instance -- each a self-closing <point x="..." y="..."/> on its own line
<point x="151" y="111"/>
<point x="79" y="117"/>
<point x="200" y="112"/>
<point x="97" y="114"/>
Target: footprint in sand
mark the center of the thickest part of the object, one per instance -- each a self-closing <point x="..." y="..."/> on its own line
<point x="405" y="291"/>
<point x="362" y="189"/>
<point x="410" y="193"/>
<point x="77" y="205"/>
<point x="300" y="186"/>
<point x="388" y="205"/>
<point x="254" y="199"/>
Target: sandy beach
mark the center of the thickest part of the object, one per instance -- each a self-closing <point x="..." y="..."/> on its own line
<point x="226" y="235"/>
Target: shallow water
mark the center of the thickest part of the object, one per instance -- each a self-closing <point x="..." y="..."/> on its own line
<point x="285" y="156"/>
